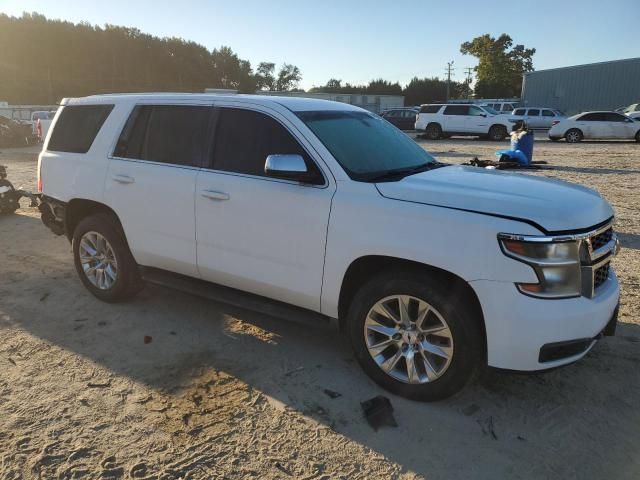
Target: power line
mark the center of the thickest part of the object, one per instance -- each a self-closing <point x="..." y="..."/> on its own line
<point x="448" y="70"/>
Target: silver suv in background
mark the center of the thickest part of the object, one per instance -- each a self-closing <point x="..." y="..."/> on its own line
<point x="537" y="117"/>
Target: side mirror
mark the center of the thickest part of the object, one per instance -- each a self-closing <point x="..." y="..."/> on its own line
<point x="287" y="167"/>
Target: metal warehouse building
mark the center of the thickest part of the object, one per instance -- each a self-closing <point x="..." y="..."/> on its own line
<point x="596" y="86"/>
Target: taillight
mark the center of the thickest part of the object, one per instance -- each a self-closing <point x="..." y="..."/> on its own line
<point x="40" y="174"/>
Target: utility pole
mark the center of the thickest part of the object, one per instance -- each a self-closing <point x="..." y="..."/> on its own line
<point x="449" y="69"/>
<point x="469" y="72"/>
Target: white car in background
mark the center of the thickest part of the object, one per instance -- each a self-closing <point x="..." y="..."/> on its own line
<point x="536" y="117"/>
<point x="596" y="126"/>
<point x="445" y="120"/>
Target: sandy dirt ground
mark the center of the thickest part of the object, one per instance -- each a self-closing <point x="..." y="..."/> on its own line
<point x="225" y="393"/>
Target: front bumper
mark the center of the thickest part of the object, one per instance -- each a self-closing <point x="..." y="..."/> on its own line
<point x="522" y="330"/>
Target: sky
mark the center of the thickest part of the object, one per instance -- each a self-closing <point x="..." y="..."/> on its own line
<point x="359" y="40"/>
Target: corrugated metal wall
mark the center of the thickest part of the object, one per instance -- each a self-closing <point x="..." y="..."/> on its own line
<point x="597" y="86"/>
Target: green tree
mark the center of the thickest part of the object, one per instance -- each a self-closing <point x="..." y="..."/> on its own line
<point x="288" y="77"/>
<point x="500" y="67"/>
<point x="430" y="90"/>
<point x="265" y="78"/>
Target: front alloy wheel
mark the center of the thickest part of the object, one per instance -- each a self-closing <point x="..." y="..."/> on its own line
<point x="416" y="333"/>
<point x="408" y="339"/>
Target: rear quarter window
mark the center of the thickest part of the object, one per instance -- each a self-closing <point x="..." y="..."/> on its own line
<point x="77" y="127"/>
<point x="430" y="108"/>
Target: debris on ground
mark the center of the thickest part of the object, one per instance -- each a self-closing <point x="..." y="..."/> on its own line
<point x="147" y="339"/>
<point x="99" y="384"/>
<point x="295" y="370"/>
<point x="10" y="196"/>
<point x="379" y="412"/>
<point x="470" y="409"/>
<point x="488" y="427"/>
<point x="504" y="164"/>
<point x="331" y="393"/>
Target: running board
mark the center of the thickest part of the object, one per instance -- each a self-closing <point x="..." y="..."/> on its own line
<point x="236" y="298"/>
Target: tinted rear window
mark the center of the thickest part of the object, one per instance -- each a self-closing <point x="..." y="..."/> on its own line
<point x="77" y="127"/>
<point x="430" y="108"/>
<point x="457" y="110"/>
<point x="173" y="134"/>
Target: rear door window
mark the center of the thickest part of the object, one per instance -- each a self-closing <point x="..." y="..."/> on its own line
<point x="173" y="134"/>
<point x="592" y="117"/>
<point x="245" y="138"/>
<point x="519" y="111"/>
<point x="533" y="112"/>
<point x="457" y="110"/>
<point x="77" y="127"/>
<point x="615" y="117"/>
<point x="548" y="113"/>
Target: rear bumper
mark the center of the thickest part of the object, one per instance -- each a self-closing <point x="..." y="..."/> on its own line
<point x="53" y="214"/>
<point x="529" y="334"/>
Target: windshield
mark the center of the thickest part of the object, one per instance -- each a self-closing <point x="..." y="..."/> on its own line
<point x="365" y="145"/>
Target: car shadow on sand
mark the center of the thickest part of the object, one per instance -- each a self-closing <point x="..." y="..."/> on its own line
<point x="596" y="170"/>
<point x="557" y="419"/>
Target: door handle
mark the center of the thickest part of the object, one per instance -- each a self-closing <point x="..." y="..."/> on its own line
<point x="123" y="179"/>
<point x="214" y="195"/>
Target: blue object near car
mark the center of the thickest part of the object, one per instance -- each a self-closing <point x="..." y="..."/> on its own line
<point x="521" y="149"/>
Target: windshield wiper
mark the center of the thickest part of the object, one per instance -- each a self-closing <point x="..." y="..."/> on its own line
<point x="400" y="173"/>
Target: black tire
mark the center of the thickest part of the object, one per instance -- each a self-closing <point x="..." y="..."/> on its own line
<point x="433" y="131"/>
<point x="468" y="351"/>
<point x="128" y="281"/>
<point x="638" y="136"/>
<point x="573" y="135"/>
<point x="497" y="133"/>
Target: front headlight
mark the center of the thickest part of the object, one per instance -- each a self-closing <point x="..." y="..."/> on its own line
<point x="556" y="263"/>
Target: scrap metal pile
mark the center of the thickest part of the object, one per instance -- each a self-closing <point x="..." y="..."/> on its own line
<point x="16" y="134"/>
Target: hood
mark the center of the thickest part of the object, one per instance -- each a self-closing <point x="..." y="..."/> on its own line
<point x="551" y="204"/>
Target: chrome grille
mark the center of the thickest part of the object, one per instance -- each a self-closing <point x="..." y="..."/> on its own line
<point x="600" y="275"/>
<point x="601" y="247"/>
<point x="599" y="240"/>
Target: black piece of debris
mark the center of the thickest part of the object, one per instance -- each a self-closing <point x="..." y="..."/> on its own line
<point x="379" y="412"/>
<point x="9" y="196"/>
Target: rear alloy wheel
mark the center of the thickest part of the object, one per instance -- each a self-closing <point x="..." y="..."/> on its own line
<point x="98" y="260"/>
<point x="497" y="133"/>
<point x="433" y="131"/>
<point x="573" y="136"/>
<point x="103" y="260"/>
<point x="416" y="335"/>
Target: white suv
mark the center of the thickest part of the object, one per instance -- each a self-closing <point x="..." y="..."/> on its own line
<point x="445" y="120"/>
<point x="322" y="208"/>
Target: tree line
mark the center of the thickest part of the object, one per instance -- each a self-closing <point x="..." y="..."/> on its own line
<point x="43" y="60"/>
